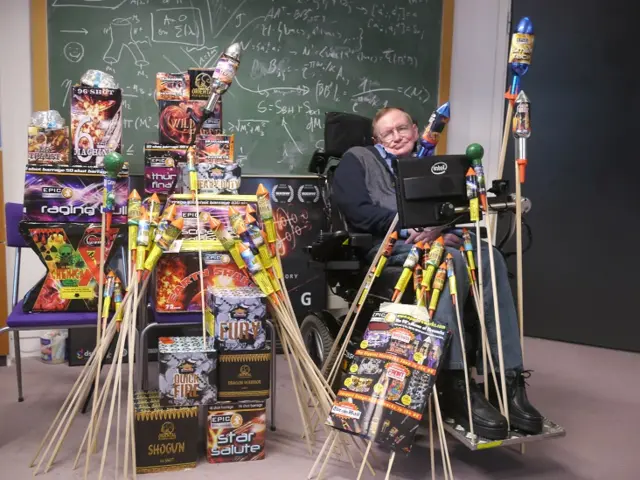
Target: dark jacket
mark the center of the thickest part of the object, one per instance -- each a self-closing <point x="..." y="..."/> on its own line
<point x="364" y="191"/>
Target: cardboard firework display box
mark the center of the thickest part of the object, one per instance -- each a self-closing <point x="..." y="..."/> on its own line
<point x="177" y="279"/>
<point x="163" y="169"/>
<point x="55" y="193"/>
<point x="236" y="431"/>
<point x="81" y="343"/>
<point x="166" y="438"/>
<point x="187" y="371"/>
<point x="218" y="173"/>
<point x="244" y="374"/>
<point x="178" y="119"/>
<point x="240" y="315"/>
<point x="96" y="124"/>
<point x="200" y="80"/>
<point x="383" y="396"/>
<point x="48" y="146"/>
<point x="71" y="254"/>
<point x="172" y="86"/>
<point x="214" y="205"/>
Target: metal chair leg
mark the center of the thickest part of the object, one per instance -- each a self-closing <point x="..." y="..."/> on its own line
<point x="143" y="353"/>
<point x="273" y="375"/>
<point x="16" y="347"/>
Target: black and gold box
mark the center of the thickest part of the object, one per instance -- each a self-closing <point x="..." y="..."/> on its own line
<point x="166" y="438"/>
<point x="244" y="374"/>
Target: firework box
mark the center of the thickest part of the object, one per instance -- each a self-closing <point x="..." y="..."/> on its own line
<point x="178" y="120"/>
<point x="166" y="438"/>
<point x="240" y="314"/>
<point x="214" y="205"/>
<point x="244" y="374"/>
<point x="177" y="282"/>
<point x="200" y="83"/>
<point x="96" y="124"/>
<point x="163" y="166"/>
<point x="71" y="254"/>
<point x="48" y="146"/>
<point x="187" y="371"/>
<point x="383" y="396"/>
<point x="82" y="341"/>
<point x="172" y="86"/>
<point x="236" y="431"/>
<point x="216" y="168"/>
<point x="54" y="193"/>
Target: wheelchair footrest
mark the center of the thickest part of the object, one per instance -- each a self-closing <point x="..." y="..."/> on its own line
<point x="549" y="430"/>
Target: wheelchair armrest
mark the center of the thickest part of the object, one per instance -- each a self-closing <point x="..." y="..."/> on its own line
<point x="362" y="241"/>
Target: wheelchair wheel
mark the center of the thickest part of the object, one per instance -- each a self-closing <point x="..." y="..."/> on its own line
<point x="317" y="338"/>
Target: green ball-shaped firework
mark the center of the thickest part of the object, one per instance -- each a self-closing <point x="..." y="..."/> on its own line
<point x="113" y="163"/>
<point x="475" y="152"/>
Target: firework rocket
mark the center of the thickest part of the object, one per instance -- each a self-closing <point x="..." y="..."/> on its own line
<point x="266" y="213"/>
<point x="438" y="286"/>
<point x="154" y="207"/>
<point x="468" y="248"/>
<point x="258" y="241"/>
<point x="431" y="135"/>
<point x="133" y="217"/>
<point x="144" y="225"/>
<point x="475" y="152"/>
<point x="435" y="257"/>
<point x="417" y="285"/>
<point x="472" y="194"/>
<point x="451" y="275"/>
<point x="168" y="216"/>
<point x="117" y="299"/>
<point x="256" y="271"/>
<point x="386" y="253"/>
<point x="520" y="52"/>
<point x="521" y="129"/>
<point x="227" y="241"/>
<point x="113" y="163"/>
<point x="164" y="244"/>
<point x="107" y="293"/>
<point x="408" y="267"/>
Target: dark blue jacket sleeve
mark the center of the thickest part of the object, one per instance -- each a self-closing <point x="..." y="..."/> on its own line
<point x="352" y="198"/>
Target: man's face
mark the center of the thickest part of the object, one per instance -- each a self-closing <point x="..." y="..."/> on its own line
<point x="396" y="133"/>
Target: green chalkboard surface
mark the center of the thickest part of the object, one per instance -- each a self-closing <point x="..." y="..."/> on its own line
<point x="301" y="58"/>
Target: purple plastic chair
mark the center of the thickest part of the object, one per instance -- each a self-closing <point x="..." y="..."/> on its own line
<point x="19" y="320"/>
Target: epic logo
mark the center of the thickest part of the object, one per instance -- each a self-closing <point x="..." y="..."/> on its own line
<point x="439" y="168"/>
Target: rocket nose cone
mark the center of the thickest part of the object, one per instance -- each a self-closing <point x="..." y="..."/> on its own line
<point x="234" y="50"/>
<point x="445" y="110"/>
<point x="525" y="25"/>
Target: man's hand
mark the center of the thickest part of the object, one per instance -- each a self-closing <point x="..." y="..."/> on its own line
<point x="427" y="235"/>
<point x="452" y="240"/>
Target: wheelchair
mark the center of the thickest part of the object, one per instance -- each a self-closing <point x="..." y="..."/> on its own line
<point x="341" y="254"/>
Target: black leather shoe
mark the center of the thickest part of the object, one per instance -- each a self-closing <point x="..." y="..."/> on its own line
<point x="487" y="421"/>
<point x="522" y="415"/>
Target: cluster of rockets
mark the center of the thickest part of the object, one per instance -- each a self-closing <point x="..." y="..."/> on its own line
<point x="519" y="60"/>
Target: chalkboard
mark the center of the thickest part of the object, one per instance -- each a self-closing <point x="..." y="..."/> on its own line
<point x="301" y="58"/>
<point x="580" y="275"/>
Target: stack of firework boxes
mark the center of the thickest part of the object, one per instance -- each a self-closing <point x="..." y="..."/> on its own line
<point x="63" y="198"/>
<point x="228" y="373"/>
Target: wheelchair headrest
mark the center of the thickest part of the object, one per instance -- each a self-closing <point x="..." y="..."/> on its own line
<point x="345" y="130"/>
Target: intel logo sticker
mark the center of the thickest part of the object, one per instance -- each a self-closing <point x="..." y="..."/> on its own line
<point x="439" y="168"/>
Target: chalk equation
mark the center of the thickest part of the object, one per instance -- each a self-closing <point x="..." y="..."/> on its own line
<point x="300" y="60"/>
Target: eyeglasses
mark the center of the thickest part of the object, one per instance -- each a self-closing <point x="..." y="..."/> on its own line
<point x="402" y="130"/>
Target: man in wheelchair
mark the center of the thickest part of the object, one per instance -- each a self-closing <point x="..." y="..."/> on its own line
<point x="363" y="190"/>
